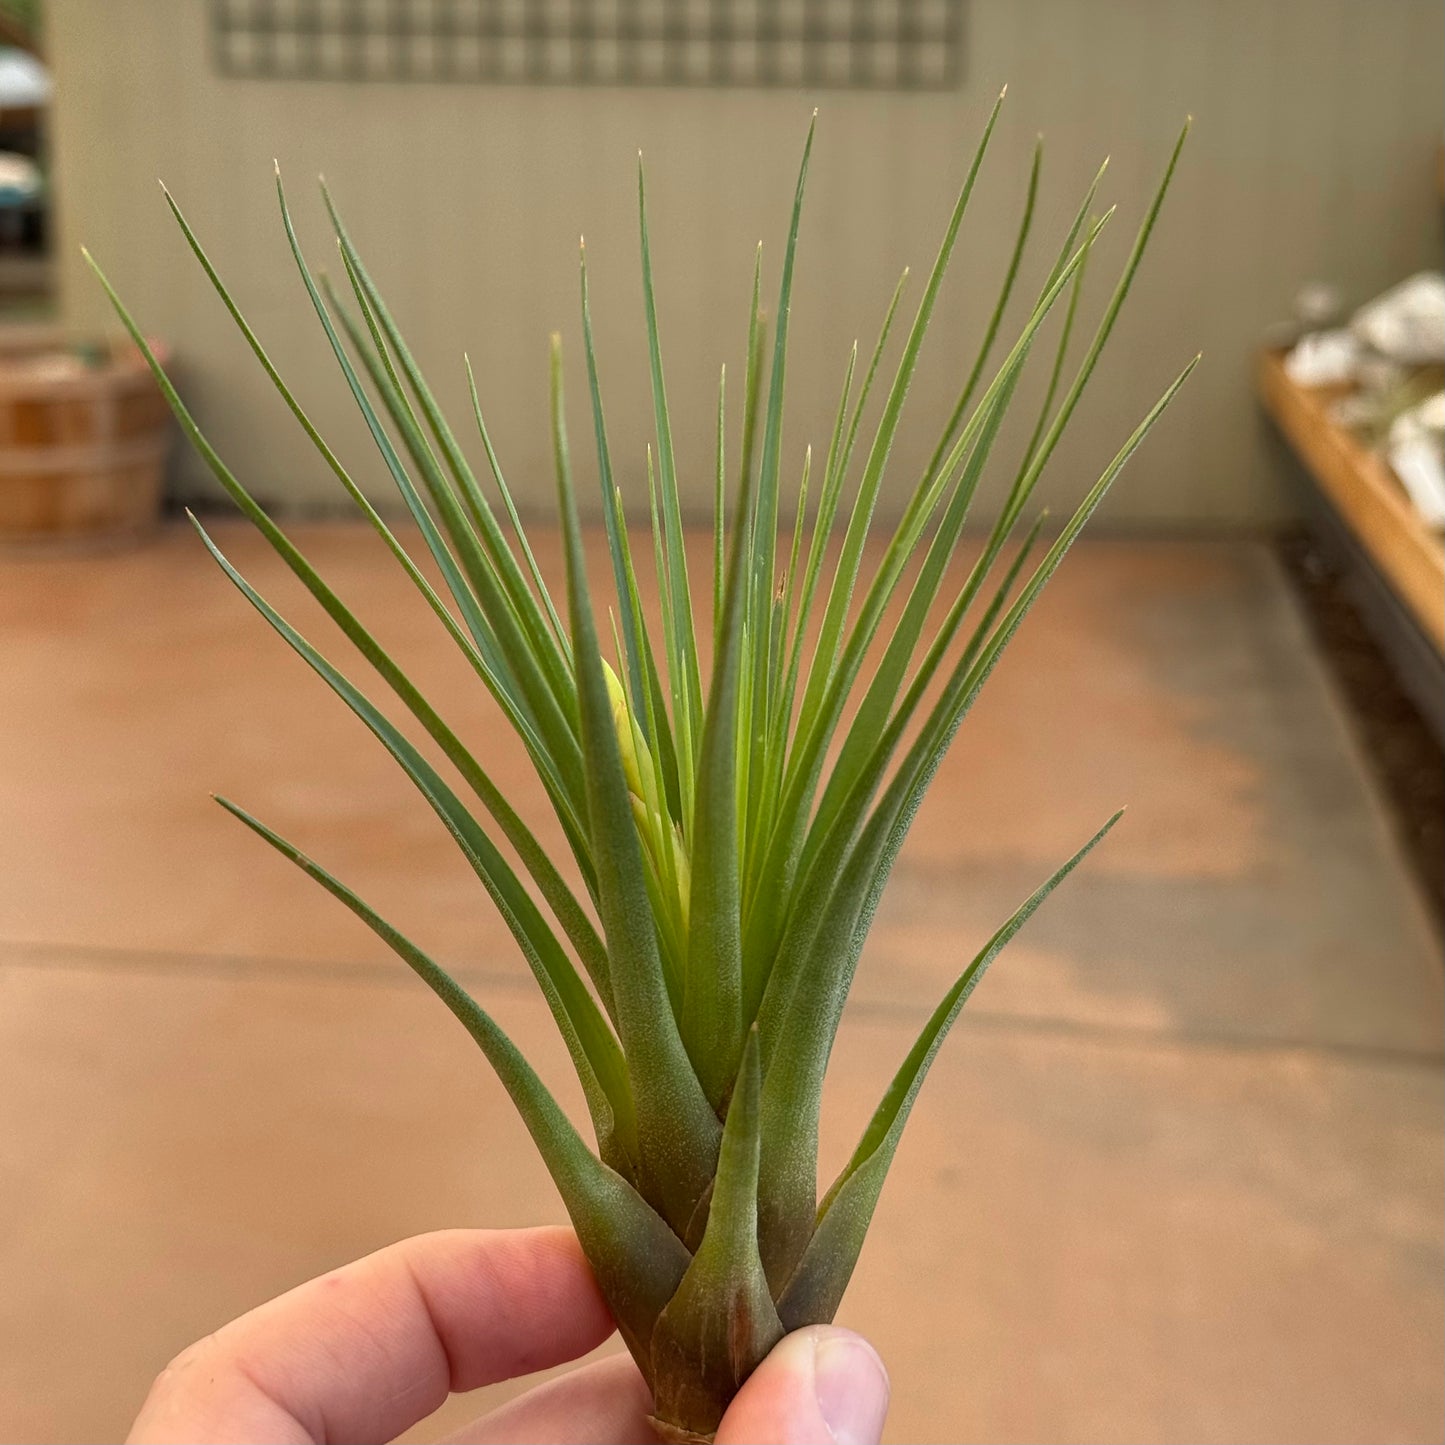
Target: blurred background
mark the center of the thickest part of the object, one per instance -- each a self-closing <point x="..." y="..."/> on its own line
<point x="1179" y="1175"/>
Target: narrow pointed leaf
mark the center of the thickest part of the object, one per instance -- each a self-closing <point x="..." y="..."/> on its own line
<point x="719" y="506"/>
<point x="636" y="1257"/>
<point x="545" y="874"/>
<point x="722" y="1321"/>
<point x="810" y="985"/>
<point x="805" y="768"/>
<point x="712" y="1013"/>
<point x="778" y="859"/>
<point x="816" y="1287"/>
<point x="1000" y="306"/>
<point x="677" y="594"/>
<point x="634" y="628"/>
<point x="846" y="571"/>
<point x="542" y="679"/>
<point x="1102" y="333"/>
<point x="561" y="791"/>
<point x="873" y="712"/>
<point x="678" y="1132"/>
<point x="539" y="583"/>
<point x="544" y="642"/>
<point x="593" y="1048"/>
<point x="767" y="667"/>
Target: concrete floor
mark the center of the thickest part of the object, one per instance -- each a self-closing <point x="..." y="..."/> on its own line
<point x="1177" y="1176"/>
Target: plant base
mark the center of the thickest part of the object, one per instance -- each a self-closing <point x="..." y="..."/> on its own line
<point x="671" y="1434"/>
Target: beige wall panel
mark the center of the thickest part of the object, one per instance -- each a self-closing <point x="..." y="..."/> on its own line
<point x="1312" y="156"/>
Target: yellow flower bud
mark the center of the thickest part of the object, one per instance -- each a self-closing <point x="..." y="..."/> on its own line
<point x="626" y="733"/>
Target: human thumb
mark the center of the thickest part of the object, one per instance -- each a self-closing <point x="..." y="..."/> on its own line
<point x="820" y="1386"/>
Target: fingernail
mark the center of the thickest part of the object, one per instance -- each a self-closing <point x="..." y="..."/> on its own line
<point x="852" y="1388"/>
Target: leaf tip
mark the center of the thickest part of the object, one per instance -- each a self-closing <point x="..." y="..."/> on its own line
<point x="1004" y="91"/>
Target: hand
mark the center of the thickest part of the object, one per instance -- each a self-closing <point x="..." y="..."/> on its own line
<point x="367" y="1351"/>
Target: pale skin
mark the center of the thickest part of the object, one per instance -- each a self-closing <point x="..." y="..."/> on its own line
<point x="367" y="1351"/>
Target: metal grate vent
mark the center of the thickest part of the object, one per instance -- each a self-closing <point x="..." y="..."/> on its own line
<point x="868" y="44"/>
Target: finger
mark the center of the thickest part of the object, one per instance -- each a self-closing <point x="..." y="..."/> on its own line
<point x="605" y="1403"/>
<point x="366" y="1351"/>
<point x="820" y="1386"/>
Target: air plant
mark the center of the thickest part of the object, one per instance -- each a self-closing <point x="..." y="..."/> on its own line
<point x="729" y="838"/>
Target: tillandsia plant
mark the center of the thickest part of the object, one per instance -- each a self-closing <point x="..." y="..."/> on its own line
<point x="729" y="839"/>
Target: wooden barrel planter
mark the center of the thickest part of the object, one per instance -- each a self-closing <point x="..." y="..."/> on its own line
<point x="84" y="434"/>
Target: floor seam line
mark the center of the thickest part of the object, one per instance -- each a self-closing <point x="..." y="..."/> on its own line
<point x="861" y="1010"/>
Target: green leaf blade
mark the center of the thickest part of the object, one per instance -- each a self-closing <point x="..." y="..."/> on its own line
<point x="678" y="1130"/>
<point x="677" y="594"/>
<point x="590" y="1042"/>
<point x="638" y="1260"/>
<point x="816" y="1287"/>
<point x="721" y="1322"/>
